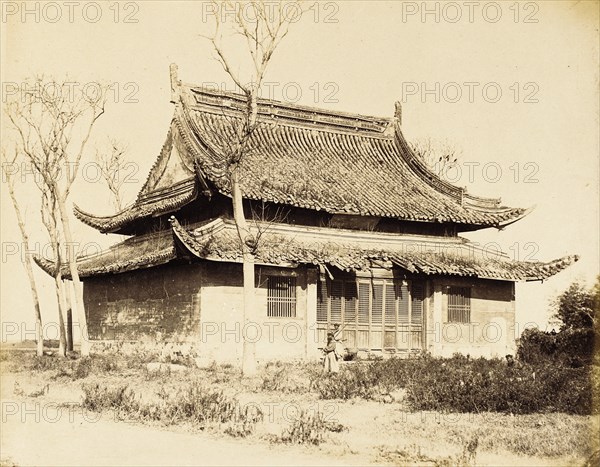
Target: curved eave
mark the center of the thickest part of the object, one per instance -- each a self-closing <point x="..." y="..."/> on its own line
<point x="118" y="267"/>
<point x="525" y="213"/>
<point x="499" y="216"/>
<point x="104" y="224"/>
<point x="49" y="267"/>
<point x="547" y="270"/>
<point x="184" y="242"/>
<point x="121" y="222"/>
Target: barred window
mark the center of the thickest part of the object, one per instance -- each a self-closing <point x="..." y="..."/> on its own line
<point x="281" y="297"/>
<point x="459" y="305"/>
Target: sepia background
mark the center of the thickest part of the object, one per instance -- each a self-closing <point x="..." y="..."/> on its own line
<point x="539" y="137"/>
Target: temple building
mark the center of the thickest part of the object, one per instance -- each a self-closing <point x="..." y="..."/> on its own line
<point x="352" y="228"/>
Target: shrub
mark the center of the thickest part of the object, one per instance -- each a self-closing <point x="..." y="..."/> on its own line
<point x="352" y="381"/>
<point x="290" y="378"/>
<point x="492" y="386"/>
<point x="82" y="368"/>
<point x="97" y="397"/>
<point x="45" y="363"/>
<point x="309" y="428"/>
<point x="462" y="384"/>
<point x="570" y="347"/>
<point x="192" y="403"/>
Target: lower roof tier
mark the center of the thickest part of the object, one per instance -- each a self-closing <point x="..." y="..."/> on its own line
<point x="291" y="246"/>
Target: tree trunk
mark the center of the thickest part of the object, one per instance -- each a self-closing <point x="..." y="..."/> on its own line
<point x="36" y="305"/>
<point x="68" y="293"/>
<point x="60" y="298"/>
<point x="77" y="302"/>
<point x="29" y="269"/>
<point x="69" y="330"/>
<point x="249" y="350"/>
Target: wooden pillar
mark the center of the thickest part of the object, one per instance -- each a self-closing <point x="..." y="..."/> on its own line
<point x="409" y="288"/>
<point x="311" y="342"/>
<point x="436" y="325"/>
<point x="425" y="338"/>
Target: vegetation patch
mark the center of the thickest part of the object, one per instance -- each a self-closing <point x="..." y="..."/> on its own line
<point x="191" y="402"/>
<point x="309" y="428"/>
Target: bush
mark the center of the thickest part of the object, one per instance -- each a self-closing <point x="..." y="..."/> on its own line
<point x="355" y="380"/>
<point x="492" y="386"/>
<point x="462" y="384"/>
<point x="309" y="428"/>
<point x="290" y="378"/>
<point x="570" y="347"/>
<point x="192" y="403"/>
<point x="97" y="398"/>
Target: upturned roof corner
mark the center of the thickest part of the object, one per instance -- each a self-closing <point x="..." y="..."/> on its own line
<point x="175" y="84"/>
<point x="398" y="112"/>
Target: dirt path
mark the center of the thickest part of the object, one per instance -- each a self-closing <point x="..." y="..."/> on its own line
<point x="75" y="440"/>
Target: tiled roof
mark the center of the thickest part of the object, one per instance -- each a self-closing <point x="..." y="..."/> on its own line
<point x="134" y="253"/>
<point x="309" y="158"/>
<point x="427" y="256"/>
<point x="158" y="202"/>
<point x="286" y="245"/>
<point x="339" y="165"/>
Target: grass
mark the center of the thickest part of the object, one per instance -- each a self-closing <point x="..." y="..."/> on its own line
<point x="343" y="412"/>
<point x="192" y="402"/>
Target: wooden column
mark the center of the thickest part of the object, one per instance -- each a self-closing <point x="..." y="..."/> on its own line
<point x="311" y="333"/>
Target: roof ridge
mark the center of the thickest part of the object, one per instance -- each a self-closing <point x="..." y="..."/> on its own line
<point x="220" y="102"/>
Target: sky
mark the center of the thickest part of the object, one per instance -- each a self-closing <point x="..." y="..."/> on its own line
<point x="512" y="85"/>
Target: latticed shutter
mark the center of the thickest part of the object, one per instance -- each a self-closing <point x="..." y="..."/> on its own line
<point x="322" y="301"/>
<point x="363" y="302"/>
<point x="350" y="297"/>
<point x="417" y="295"/>
<point x="390" y="302"/>
<point x="417" y="292"/>
<point x="377" y="308"/>
<point x="336" y="296"/>
<point x="390" y="312"/>
<point x="402" y="291"/>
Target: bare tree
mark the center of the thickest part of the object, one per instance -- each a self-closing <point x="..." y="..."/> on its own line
<point x="8" y="166"/>
<point x="440" y="157"/>
<point x="53" y="123"/>
<point x="261" y="26"/>
<point x="112" y="165"/>
<point x="49" y="213"/>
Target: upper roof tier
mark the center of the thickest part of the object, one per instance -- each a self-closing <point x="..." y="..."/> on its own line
<point x="299" y="156"/>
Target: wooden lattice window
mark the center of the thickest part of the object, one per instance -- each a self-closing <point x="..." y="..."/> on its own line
<point x="281" y="297"/>
<point x="322" y="301"/>
<point x="459" y="305"/>
<point x="373" y="313"/>
<point x="364" y="294"/>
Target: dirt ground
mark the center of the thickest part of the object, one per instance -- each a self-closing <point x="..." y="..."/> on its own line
<point x="46" y="425"/>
